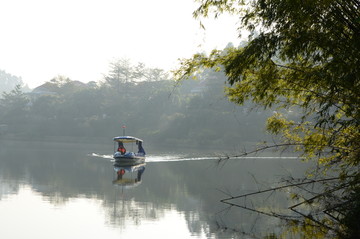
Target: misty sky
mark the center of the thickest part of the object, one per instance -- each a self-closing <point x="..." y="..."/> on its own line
<point x="41" y="39"/>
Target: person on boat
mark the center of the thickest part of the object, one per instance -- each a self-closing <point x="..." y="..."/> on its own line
<point x="141" y="149"/>
<point x="121" y="148"/>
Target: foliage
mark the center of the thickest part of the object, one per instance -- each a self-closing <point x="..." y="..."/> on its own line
<point x="303" y="54"/>
<point x="191" y="115"/>
<point x="123" y="71"/>
<point x="8" y="81"/>
<point x="14" y="106"/>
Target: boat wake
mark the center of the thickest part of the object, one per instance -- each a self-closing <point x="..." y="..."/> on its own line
<point x="177" y="158"/>
<point x="158" y="158"/>
<point x="101" y="156"/>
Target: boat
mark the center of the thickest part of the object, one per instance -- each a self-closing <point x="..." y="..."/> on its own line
<point x="124" y="150"/>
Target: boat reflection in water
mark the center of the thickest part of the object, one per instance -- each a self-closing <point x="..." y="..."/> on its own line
<point x="128" y="175"/>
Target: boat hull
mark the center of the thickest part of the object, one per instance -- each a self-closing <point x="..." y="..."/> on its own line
<point x="129" y="158"/>
<point x="130" y="161"/>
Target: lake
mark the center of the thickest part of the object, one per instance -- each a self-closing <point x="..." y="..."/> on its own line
<point x="69" y="190"/>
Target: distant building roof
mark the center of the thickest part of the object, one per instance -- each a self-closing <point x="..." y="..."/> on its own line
<point x="53" y="88"/>
<point x="45" y="88"/>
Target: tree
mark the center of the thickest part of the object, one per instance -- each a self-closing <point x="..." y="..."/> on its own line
<point x="14" y="108"/>
<point x="303" y="54"/>
<point x="8" y="81"/>
<point x="155" y="74"/>
<point x="59" y="81"/>
<point x="121" y="71"/>
<point x="45" y="107"/>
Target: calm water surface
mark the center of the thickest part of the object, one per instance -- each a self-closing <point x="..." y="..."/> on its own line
<point x="67" y="190"/>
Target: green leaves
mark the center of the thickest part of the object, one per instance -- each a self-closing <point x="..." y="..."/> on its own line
<point x="303" y="54"/>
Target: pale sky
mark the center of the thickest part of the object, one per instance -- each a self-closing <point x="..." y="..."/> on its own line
<point x="41" y="39"/>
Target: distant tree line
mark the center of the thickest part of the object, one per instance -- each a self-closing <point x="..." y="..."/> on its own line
<point x="9" y="81"/>
<point x="150" y="104"/>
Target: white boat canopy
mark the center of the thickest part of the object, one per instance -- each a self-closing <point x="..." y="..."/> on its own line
<point x="127" y="139"/>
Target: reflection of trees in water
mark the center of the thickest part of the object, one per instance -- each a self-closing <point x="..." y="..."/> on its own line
<point x="122" y="212"/>
<point x="194" y="189"/>
<point x="249" y="213"/>
<point x="8" y="187"/>
<point x="236" y="178"/>
<point x="291" y="201"/>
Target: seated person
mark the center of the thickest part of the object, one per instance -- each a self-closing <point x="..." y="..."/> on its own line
<point x="121" y="148"/>
<point x="141" y="149"/>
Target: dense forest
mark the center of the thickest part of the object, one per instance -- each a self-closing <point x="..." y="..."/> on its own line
<point x="191" y="114"/>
